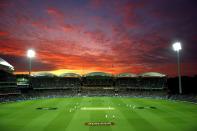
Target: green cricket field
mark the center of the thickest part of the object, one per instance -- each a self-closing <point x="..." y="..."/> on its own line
<point x="98" y="114"/>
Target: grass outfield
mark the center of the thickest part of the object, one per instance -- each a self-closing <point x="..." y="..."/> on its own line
<point x="127" y="114"/>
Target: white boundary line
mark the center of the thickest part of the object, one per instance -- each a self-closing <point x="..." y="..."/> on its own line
<point x="97" y="108"/>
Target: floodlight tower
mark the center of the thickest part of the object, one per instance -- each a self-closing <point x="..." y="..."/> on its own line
<point x="30" y="54"/>
<point x="177" y="47"/>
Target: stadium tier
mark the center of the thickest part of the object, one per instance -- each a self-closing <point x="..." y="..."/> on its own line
<point x="99" y="82"/>
<point x="50" y="81"/>
<point x="152" y="80"/>
<point x="126" y="80"/>
<point x="7" y="79"/>
<point x="95" y="81"/>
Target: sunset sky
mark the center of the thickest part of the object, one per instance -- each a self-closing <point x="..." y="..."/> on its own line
<point x="113" y="36"/>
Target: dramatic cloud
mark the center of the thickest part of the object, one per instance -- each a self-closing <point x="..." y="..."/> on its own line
<point x="3" y="33"/>
<point x="55" y="12"/>
<point x="99" y="35"/>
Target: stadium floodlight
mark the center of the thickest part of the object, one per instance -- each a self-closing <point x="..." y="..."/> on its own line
<point x="30" y="54"/>
<point x="177" y="47"/>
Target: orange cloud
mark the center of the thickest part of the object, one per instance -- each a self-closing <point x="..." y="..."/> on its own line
<point x="52" y="58"/>
<point x="115" y="37"/>
<point x="3" y="33"/>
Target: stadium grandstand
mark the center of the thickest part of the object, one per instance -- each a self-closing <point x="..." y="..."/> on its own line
<point x="97" y="79"/>
<point x="144" y="84"/>
<point x="50" y="81"/>
<point x="48" y="84"/>
<point x="70" y="80"/>
<point x="126" y="80"/>
<point x="93" y="83"/>
<point x="44" y="80"/>
<point x="7" y="79"/>
<point x="22" y="80"/>
<point x="152" y="80"/>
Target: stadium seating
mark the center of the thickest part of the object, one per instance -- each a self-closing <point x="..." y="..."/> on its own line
<point x="8" y="84"/>
<point x="70" y="84"/>
<point x="152" y="80"/>
<point x="97" y="79"/>
<point x="50" y="81"/>
<point x="126" y="80"/>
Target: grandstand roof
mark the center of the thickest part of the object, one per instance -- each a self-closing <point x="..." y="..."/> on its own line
<point x="126" y="75"/>
<point x="4" y="65"/>
<point x="152" y="74"/>
<point x="98" y="74"/>
<point x="43" y="74"/>
<point x="69" y="75"/>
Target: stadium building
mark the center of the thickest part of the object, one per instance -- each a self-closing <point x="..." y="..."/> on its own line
<point x="7" y="79"/>
<point x="97" y="83"/>
<point x="152" y="80"/>
<point x="126" y="80"/>
<point x="93" y="83"/>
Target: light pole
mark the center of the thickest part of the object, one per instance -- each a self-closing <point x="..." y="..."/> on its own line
<point x="177" y="47"/>
<point x="30" y="54"/>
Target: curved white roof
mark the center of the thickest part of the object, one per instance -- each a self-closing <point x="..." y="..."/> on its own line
<point x="69" y="75"/>
<point x="43" y="74"/>
<point x="98" y="74"/>
<point x="126" y="75"/>
<point x="4" y="65"/>
<point x="152" y="74"/>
